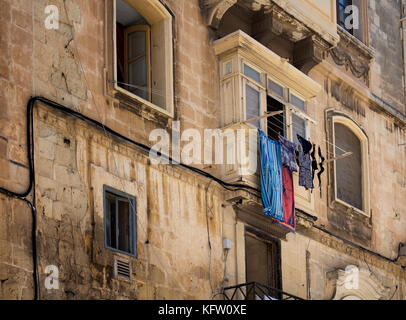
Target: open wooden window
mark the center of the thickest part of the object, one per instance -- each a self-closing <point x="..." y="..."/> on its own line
<point x="137" y="60"/>
<point x="143" y="51"/>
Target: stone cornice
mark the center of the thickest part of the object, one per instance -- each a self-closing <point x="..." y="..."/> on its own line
<point x="307" y="15"/>
<point x="352" y="250"/>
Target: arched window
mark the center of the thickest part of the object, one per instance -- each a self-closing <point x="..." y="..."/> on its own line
<point x="351" y="173"/>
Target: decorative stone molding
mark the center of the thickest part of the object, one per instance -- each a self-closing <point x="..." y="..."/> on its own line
<point x="272" y="21"/>
<point x="355" y="56"/>
<point x="344" y="220"/>
<point x="215" y="10"/>
<point x="357" y="284"/>
<point x="358" y="69"/>
<point x="348" y="97"/>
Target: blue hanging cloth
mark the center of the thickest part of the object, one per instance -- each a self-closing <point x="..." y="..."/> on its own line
<point x="271" y="177"/>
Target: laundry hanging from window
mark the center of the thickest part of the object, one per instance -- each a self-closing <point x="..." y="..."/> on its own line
<point x="271" y="177"/>
<point x="278" y="162"/>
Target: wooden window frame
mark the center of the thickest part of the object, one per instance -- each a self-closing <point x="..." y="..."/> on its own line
<point x="147" y="31"/>
<point x="262" y="100"/>
<point x="275" y="273"/>
<point x="159" y="18"/>
<point x="132" y="220"/>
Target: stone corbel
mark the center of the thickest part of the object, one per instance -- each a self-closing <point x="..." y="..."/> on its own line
<point x="215" y="10"/>
<point x="267" y="28"/>
<point x="308" y="53"/>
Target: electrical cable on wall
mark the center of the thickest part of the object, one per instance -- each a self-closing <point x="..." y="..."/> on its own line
<point x="30" y="188"/>
<point x="30" y="154"/>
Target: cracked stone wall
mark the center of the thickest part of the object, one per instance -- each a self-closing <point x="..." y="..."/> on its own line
<point x="171" y="217"/>
<point x="73" y="161"/>
<point x="385" y="36"/>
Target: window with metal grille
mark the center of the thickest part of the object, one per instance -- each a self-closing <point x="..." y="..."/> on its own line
<point x="120" y="221"/>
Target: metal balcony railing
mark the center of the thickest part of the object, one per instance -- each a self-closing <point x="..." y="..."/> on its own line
<point x="256" y="291"/>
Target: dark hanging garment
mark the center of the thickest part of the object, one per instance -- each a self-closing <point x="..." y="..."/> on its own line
<point x="321" y="171"/>
<point x="288" y="154"/>
<point x="305" y="163"/>
<point x="315" y="167"/>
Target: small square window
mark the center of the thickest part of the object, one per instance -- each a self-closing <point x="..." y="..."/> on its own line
<point x="298" y="128"/>
<point x="275" y="88"/>
<point x="120" y="221"/>
<point x="253" y="74"/>
<point x="228" y="68"/>
<point x="299" y="103"/>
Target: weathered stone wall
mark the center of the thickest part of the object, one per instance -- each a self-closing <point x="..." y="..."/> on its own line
<point x="385" y="37"/>
<point x="173" y="256"/>
<point x="73" y="160"/>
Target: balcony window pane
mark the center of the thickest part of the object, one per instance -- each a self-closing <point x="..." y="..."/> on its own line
<point x="252" y="104"/>
<point x="253" y="74"/>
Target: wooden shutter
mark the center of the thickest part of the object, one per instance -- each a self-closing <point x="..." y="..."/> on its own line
<point x="348" y="170"/>
<point x="137" y="51"/>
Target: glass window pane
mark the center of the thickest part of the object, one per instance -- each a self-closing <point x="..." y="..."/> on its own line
<point x="111" y="222"/>
<point x="298" y="128"/>
<point x="228" y="68"/>
<point x="123" y="226"/>
<point x="297" y="102"/>
<point x="137" y="76"/>
<point x="275" y="88"/>
<point x="253" y="74"/>
<point x="252" y="104"/>
<point x="348" y="170"/>
<point x="137" y="44"/>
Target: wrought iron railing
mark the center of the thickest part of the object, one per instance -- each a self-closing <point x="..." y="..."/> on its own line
<point x="256" y="291"/>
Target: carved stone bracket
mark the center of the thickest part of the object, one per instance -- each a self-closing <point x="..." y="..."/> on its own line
<point x="309" y="53"/>
<point x="271" y="21"/>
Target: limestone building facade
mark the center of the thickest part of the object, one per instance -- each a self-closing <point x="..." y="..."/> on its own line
<point x="87" y="88"/>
